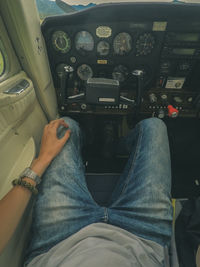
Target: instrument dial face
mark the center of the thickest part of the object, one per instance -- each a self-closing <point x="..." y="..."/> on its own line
<point x="120" y="73"/>
<point x="61" y="42"/>
<point x="84" y="72"/>
<point x="122" y="44"/>
<point x="145" y="44"/>
<point x="2" y="63"/>
<point x="84" y="42"/>
<point x="103" y="48"/>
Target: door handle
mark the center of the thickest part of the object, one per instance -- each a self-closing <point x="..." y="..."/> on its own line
<point x="18" y="88"/>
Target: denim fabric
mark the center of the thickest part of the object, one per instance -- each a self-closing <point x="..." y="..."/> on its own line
<point x="140" y="203"/>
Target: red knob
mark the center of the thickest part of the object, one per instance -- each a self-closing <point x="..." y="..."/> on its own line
<point x="172" y="112"/>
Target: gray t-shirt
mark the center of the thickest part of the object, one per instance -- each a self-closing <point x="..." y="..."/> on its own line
<point x="101" y="245"/>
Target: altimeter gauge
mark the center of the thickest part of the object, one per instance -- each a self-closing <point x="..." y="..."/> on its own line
<point x="61" y="42"/>
<point x="145" y="44"/>
<point x="122" y="44"/>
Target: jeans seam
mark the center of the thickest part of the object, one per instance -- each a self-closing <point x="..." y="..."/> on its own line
<point x="105" y="214"/>
<point x="133" y="161"/>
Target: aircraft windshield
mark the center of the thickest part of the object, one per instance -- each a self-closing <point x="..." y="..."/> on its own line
<point x="60" y="7"/>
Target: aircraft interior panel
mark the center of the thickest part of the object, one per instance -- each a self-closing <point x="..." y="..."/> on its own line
<point x="112" y="65"/>
<point x="163" y="43"/>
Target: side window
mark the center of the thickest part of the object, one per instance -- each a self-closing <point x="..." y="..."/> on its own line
<point x="2" y="63"/>
<point x="4" y="66"/>
<point x="9" y="65"/>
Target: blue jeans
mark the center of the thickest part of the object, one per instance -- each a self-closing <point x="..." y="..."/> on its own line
<point x="140" y="203"/>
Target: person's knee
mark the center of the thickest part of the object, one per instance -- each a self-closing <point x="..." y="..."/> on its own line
<point x="73" y="125"/>
<point x="154" y="124"/>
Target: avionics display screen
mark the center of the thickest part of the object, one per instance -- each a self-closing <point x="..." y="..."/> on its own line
<point x="184" y="51"/>
<point x="186" y="37"/>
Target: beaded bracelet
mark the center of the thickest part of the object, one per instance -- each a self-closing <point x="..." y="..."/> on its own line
<point x="26" y="185"/>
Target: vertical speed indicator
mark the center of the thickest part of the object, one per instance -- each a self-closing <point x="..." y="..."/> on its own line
<point x="61" y="42"/>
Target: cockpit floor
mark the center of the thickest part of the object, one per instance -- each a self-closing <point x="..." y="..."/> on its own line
<point x="184" y="140"/>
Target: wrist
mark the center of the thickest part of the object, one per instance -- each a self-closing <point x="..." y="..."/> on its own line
<point x="30" y="181"/>
<point x="40" y="164"/>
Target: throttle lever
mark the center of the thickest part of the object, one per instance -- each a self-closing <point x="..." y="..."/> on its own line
<point x="140" y="76"/>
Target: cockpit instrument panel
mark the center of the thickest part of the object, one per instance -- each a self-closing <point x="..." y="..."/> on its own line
<point x="113" y="41"/>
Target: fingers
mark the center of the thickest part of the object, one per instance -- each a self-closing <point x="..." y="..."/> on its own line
<point x="65" y="137"/>
<point x="56" y="123"/>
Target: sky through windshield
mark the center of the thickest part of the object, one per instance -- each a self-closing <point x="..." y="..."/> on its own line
<point x="86" y="2"/>
<point x="53" y="7"/>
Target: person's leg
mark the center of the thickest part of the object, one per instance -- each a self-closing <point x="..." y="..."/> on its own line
<point x="64" y="204"/>
<point x="141" y="201"/>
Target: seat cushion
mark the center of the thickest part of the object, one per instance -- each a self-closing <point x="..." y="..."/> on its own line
<point x="101" y="186"/>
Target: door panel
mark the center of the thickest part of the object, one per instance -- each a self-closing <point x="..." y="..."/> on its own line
<point x="21" y="125"/>
<point x="23" y="25"/>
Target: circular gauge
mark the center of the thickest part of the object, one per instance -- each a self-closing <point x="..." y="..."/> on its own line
<point x="145" y="44"/>
<point x="103" y="48"/>
<point x="122" y="44"/>
<point x="84" y="72"/>
<point x="84" y="42"/>
<point x="2" y="63"/>
<point x="61" y="41"/>
<point x="120" y="73"/>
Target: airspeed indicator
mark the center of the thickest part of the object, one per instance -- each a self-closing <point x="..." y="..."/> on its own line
<point x="61" y="42"/>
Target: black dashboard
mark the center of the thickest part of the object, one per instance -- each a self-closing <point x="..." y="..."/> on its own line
<point x="111" y="41"/>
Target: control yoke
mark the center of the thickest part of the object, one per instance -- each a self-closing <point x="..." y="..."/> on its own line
<point x="102" y="91"/>
<point x="99" y="91"/>
<point x="64" y="72"/>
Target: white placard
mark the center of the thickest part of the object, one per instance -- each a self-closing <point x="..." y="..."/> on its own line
<point x="103" y="99"/>
<point x="175" y="83"/>
<point x="159" y="26"/>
